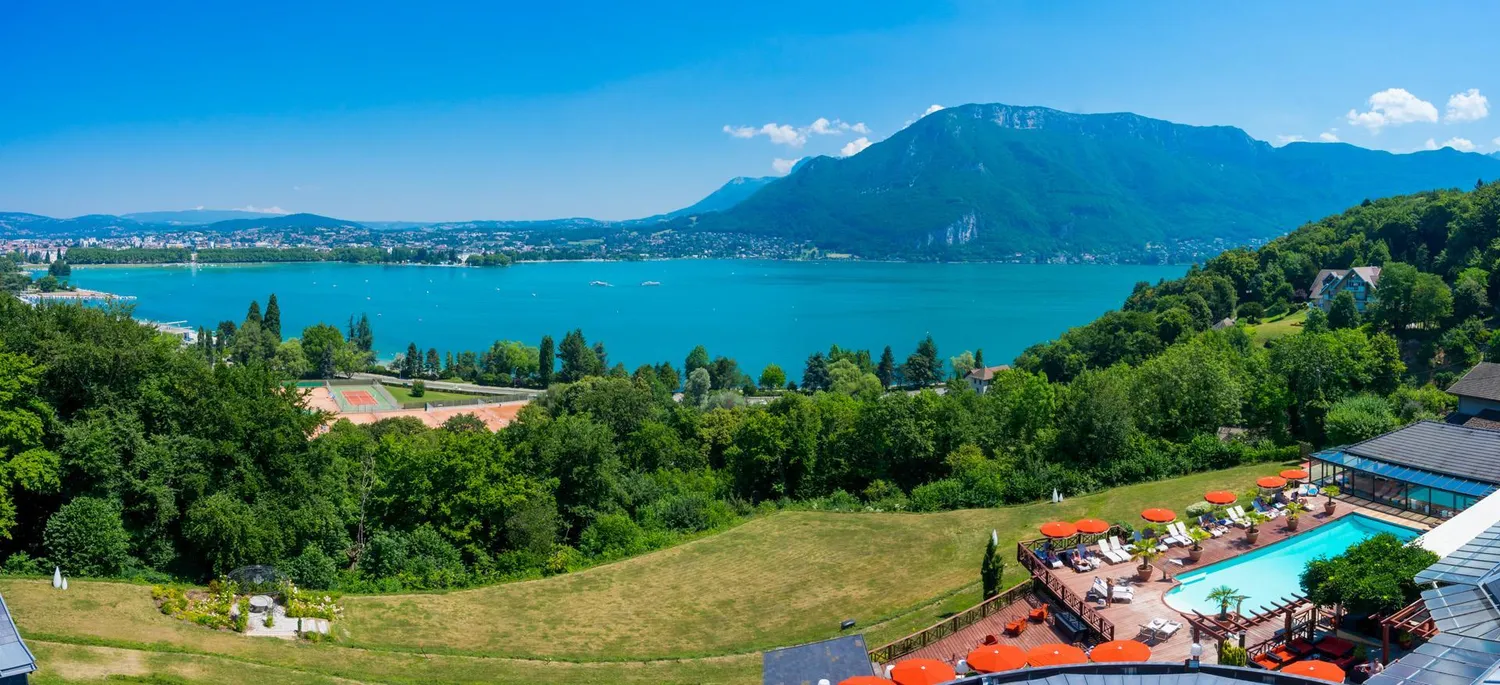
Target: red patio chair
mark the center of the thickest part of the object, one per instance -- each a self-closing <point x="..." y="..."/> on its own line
<point x="1039" y="614"/>
<point x="1016" y="627"/>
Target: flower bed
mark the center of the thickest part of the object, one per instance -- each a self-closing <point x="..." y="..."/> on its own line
<point x="305" y="604"/>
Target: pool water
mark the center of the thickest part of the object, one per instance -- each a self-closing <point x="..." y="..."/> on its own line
<point x="1272" y="572"/>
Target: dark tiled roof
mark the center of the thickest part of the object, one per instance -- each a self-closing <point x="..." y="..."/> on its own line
<point x="1445" y="448"/>
<point x="1489" y="419"/>
<point x="836" y="659"/>
<point x="1322" y="277"/>
<point x="1482" y="381"/>
<point x="15" y="658"/>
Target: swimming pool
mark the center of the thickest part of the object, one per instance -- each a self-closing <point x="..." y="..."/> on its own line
<point x="1272" y="572"/>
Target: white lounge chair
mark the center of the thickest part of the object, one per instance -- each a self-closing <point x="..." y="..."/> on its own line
<point x="1167" y="630"/>
<point x="1178" y="532"/>
<point x="1108" y="553"/>
<point x="1124" y="593"/>
<point x="1237" y="515"/>
<point x="1149" y="630"/>
<point x="1126" y="552"/>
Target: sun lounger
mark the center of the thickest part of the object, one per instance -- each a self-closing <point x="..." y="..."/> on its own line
<point x="1168" y="629"/>
<point x="1179" y="530"/>
<point x="1109" y="554"/>
<point x="1149" y="630"/>
<point x="1208" y="523"/>
<point x="1114" y="542"/>
<point x="1237" y="515"/>
<point x="1083" y="552"/>
<point x="1124" y="593"/>
<point x="1264" y="510"/>
<point x="1141" y="541"/>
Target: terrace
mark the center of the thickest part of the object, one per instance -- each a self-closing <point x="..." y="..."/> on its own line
<point x="1077" y="617"/>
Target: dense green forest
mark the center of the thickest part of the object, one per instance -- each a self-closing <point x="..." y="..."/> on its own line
<point x="126" y="454"/>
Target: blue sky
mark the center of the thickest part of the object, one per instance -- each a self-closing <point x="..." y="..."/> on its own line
<point x="451" y="111"/>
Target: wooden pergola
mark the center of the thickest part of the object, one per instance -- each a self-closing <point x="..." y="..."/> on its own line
<point x="1414" y="618"/>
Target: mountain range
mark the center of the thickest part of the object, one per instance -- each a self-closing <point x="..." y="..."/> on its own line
<point x="979" y="182"/>
<point x="989" y="181"/>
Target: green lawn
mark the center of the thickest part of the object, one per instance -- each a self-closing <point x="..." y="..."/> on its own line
<point x="1275" y="328"/>
<point x="696" y="613"/>
<point x="403" y="395"/>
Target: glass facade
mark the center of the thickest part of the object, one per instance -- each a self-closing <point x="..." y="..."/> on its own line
<point x="1402" y="487"/>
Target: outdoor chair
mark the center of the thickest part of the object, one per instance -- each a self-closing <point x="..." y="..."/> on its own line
<point x="1039" y="614"/>
<point x="991" y="640"/>
<point x="1168" y="629"/>
<point x="1179" y="533"/>
<point x="1213" y="527"/>
<point x="1107" y="553"/>
<point x="1114" y="541"/>
<point x="1149" y="630"/>
<point x="1016" y="627"/>
<point x="1141" y="540"/>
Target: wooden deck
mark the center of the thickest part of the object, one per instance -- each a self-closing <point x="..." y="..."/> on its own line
<point x="1149" y="602"/>
<point x="955" y="646"/>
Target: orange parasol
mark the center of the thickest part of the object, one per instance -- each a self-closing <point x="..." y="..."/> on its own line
<point x="1058" y="529"/>
<point x="1220" y="497"/>
<point x="1294" y="474"/>
<point x="1121" y="650"/>
<point x="1322" y="670"/>
<point x="922" y="672"/>
<point x="1271" y="482"/>
<point x="1159" y="515"/>
<point x="995" y="658"/>
<point x="1056" y="654"/>
<point x="1091" y="525"/>
<point x="866" y="680"/>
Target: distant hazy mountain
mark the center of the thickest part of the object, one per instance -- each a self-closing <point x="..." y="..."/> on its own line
<point x="737" y="190"/>
<point x="190" y="217"/>
<point x="282" y="221"/>
<point x="994" y="180"/>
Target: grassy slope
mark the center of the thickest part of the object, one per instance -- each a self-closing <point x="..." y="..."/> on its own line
<point x="659" y="618"/>
<point x="1275" y="328"/>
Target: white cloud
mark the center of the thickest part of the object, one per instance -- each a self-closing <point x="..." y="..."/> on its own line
<point x="1496" y="142"/>
<point x="1329" y="136"/>
<point x="1460" y="144"/>
<point x="1284" y="139"/>
<point x="1467" y="106"/>
<point x="784" y="166"/>
<point x="931" y="109"/>
<point x="854" y="147"/>
<point x="262" y="210"/>
<point x="1393" y="107"/>
<point x="796" y="136"/>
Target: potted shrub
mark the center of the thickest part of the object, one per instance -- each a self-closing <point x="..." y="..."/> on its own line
<point x="1146" y="554"/>
<point x="1293" y="512"/>
<point x="1225" y="596"/>
<point x="1330" y="492"/>
<point x="1252" y="533"/>
<point x="1198" y="535"/>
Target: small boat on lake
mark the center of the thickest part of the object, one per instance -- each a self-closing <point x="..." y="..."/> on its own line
<point x="601" y="284"/>
<point x="650" y="283"/>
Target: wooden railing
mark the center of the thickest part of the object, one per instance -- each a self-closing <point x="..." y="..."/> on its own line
<point x="894" y="650"/>
<point x="1055" y="585"/>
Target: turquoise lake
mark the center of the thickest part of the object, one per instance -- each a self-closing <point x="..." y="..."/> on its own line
<point x="754" y="311"/>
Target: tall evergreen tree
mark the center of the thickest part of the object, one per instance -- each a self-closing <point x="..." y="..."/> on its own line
<point x="365" y="336"/>
<point x="546" y="362"/>
<point x="578" y="361"/>
<point x="411" y="364"/>
<point x="254" y="313"/>
<point x="272" y="322"/>
<point x="815" y="374"/>
<point x="979" y="357"/>
<point x="886" y="371"/>
<point x="434" y="365"/>
<point x="697" y="359"/>
<point x="448" y="365"/>
<point x="991" y="569"/>
<point x="923" y="366"/>
<point x="1343" y="313"/>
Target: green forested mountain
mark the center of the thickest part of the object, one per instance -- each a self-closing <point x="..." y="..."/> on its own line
<point x="989" y="181"/>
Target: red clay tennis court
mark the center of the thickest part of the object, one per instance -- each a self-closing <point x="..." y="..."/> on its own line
<point x="359" y="398"/>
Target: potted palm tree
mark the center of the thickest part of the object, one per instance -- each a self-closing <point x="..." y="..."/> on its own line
<point x="1198" y="535"/>
<point x="1253" y="532"/>
<point x="1330" y="491"/>
<point x="1146" y="553"/>
<point x="1225" y="596"/>
<point x="1293" y="512"/>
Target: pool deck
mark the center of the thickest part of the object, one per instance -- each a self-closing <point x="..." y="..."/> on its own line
<point x="1149" y="601"/>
